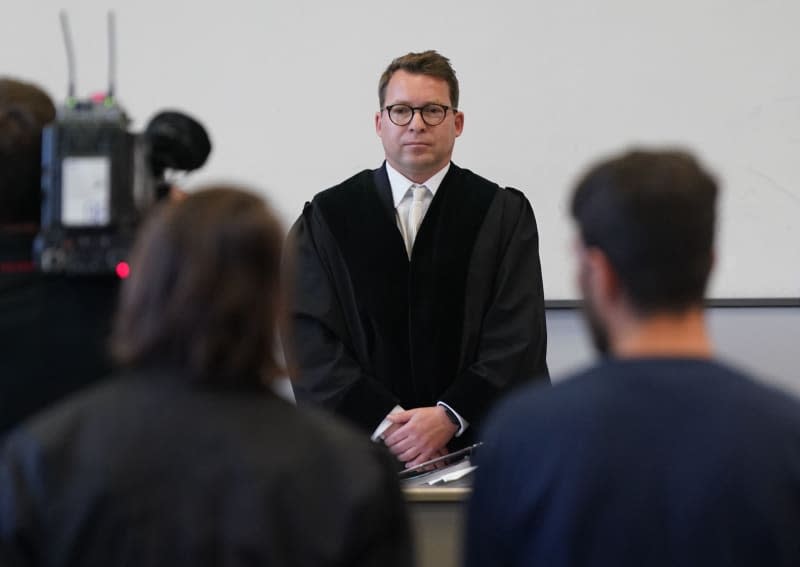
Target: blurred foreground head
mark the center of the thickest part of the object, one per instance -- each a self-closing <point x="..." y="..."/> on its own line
<point x="646" y="221"/>
<point x="652" y="214"/>
<point x="24" y="110"/>
<point x="203" y="296"/>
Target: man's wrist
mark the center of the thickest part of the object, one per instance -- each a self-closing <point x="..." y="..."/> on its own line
<point x="460" y="423"/>
<point x="451" y="416"/>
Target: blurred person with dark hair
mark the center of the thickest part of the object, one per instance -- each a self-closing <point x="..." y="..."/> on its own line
<point x="187" y="457"/>
<point x="658" y="454"/>
<point x="53" y="329"/>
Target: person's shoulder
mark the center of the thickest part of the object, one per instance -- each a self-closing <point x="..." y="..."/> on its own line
<point x="509" y="195"/>
<point x="344" y="188"/>
<point x="509" y="209"/>
<point x="330" y="430"/>
<point x="57" y="425"/>
<point x="538" y="403"/>
<point x="335" y="200"/>
<point x="329" y="443"/>
<point x="537" y="419"/>
<point x="469" y="177"/>
<point x="757" y="392"/>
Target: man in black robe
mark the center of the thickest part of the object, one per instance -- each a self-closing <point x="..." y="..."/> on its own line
<point x="418" y="289"/>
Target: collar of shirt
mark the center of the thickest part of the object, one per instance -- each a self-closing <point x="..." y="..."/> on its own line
<point x="400" y="183"/>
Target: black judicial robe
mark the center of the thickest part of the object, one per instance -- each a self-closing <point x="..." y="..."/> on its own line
<point x="461" y="322"/>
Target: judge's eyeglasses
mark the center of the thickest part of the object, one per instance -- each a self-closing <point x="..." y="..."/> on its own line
<point x="432" y="114"/>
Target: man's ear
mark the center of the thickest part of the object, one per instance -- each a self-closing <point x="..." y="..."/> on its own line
<point x="602" y="276"/>
<point x="459" y="123"/>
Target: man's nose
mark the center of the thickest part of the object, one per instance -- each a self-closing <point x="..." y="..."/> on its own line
<point x="417" y="123"/>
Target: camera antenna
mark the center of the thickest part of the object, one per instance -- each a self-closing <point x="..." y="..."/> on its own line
<point x="70" y="58"/>
<point x="112" y="57"/>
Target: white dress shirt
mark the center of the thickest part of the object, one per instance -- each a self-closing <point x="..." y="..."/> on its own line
<point x="402" y="193"/>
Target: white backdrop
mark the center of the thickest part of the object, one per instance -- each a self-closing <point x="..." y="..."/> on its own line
<point x="288" y="90"/>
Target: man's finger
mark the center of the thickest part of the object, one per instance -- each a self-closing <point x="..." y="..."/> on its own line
<point x="399" y="434"/>
<point x="389" y="431"/>
<point x="401" y="446"/>
<point x="408" y="455"/>
<point x="421" y="458"/>
<point x="400" y="417"/>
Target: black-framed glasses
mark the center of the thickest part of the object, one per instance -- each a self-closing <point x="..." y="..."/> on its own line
<point x="432" y="114"/>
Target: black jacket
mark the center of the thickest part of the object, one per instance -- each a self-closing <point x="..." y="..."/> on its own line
<point x="53" y="331"/>
<point x="147" y="471"/>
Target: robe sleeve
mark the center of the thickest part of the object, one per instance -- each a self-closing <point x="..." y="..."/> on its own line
<point x="511" y="342"/>
<point x="327" y="359"/>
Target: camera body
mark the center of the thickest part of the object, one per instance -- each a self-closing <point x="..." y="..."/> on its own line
<point x="98" y="178"/>
<point x="96" y="183"/>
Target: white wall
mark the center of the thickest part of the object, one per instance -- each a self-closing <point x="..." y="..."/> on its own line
<point x="287" y="89"/>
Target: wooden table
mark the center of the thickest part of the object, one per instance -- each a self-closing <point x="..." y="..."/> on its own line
<point x="437" y="516"/>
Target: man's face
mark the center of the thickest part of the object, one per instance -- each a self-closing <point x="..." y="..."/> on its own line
<point x="417" y="150"/>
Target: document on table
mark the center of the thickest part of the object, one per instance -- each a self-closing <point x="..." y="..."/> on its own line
<point x="445" y="475"/>
<point x="442" y="470"/>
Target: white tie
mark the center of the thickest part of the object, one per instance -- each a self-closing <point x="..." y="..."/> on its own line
<point x="415" y="214"/>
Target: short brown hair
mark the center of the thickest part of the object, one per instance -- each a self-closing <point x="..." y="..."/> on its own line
<point x="426" y="63"/>
<point x="653" y="214"/>
<point x="203" y="297"/>
<point x="24" y="110"/>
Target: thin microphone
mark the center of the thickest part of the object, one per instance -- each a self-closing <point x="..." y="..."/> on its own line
<point x="70" y="55"/>
<point x="112" y="54"/>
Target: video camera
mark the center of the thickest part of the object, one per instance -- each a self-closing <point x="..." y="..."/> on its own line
<point x="98" y="178"/>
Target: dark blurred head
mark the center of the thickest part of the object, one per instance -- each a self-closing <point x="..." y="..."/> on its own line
<point x="652" y="214"/>
<point x="24" y="110"/>
<point x="203" y="295"/>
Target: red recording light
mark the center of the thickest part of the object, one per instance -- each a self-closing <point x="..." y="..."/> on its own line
<point x="123" y="270"/>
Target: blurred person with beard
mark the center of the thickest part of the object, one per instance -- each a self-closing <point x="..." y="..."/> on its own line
<point x="658" y="454"/>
